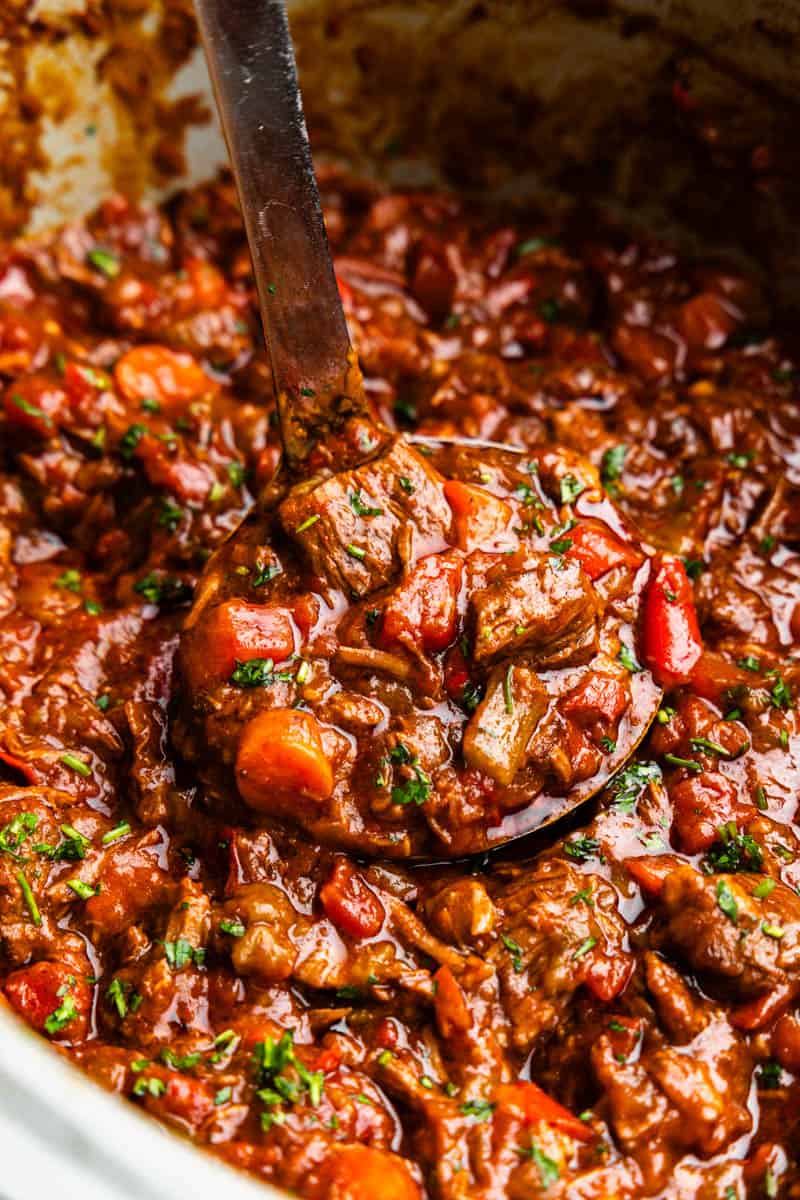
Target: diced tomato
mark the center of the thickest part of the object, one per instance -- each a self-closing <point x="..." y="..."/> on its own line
<point x="596" y="698"/>
<point x="306" y="613"/>
<point x="386" y="1034"/>
<point x="452" y="1012"/>
<point x="650" y="871"/>
<point x="350" y="902"/>
<point x="671" y="644"/>
<point x="479" y="518"/>
<point x="607" y="975"/>
<point x="456" y="673"/>
<point x="422" y="610"/>
<point x="701" y="804"/>
<point x="713" y="676"/>
<point x="597" y="549"/>
<point x="534" y="1105"/>
<point x="200" y="285"/>
<point x="281" y="752"/>
<point x="327" y="1060"/>
<point x="35" y="404"/>
<point x="354" y="1172"/>
<point x="46" y="993"/>
<point x="158" y="373"/>
<point x="237" y="631"/>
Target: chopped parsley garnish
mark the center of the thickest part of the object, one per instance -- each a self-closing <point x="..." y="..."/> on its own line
<point x="626" y="657"/>
<point x="30" y="409"/>
<point x="149" y="1086"/>
<point x="170" y="515"/>
<point x="72" y="849"/>
<point x="734" y="852"/>
<point x="16" y="832"/>
<point x="515" y="950"/>
<point x="481" y="1110"/>
<point x="780" y="696"/>
<point x="694" y="567"/>
<point x="471" y="695"/>
<point x="749" y="663"/>
<point x="764" y="889"/>
<point x="360" y="508"/>
<point x="586" y="945"/>
<point x="117" y="995"/>
<point x="688" y="764"/>
<point x="612" y="466"/>
<point x="628" y="785"/>
<point x="223" y="1096"/>
<point x="76" y="764"/>
<point x="83" y="890"/>
<point x="181" y="953"/>
<point x="114" y="835"/>
<point x="130" y="440"/>
<point x="570" y="489"/>
<point x="415" y="790"/>
<point x="70" y="580"/>
<point x="104" y="261"/>
<point x="550" y="310"/>
<point x="608" y="744"/>
<point x="547" y="1167"/>
<point x="406" y="484"/>
<point x="770" y="1074"/>
<point x="561" y="545"/>
<point x="165" y="592"/>
<point x="726" y="901"/>
<point x="236" y="473"/>
<point x="581" y="848"/>
<point x="258" y="672"/>
<point x="29" y="898"/>
<point x="61" y="1016"/>
<point x="309" y="521"/>
<point x="701" y="743"/>
<point x="233" y="928"/>
<point x="266" y="573"/>
<point x="283" y="1079"/>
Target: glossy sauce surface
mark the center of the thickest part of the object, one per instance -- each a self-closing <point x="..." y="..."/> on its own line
<point x="615" y="1014"/>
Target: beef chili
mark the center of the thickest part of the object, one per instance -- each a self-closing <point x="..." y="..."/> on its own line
<point x="211" y="766"/>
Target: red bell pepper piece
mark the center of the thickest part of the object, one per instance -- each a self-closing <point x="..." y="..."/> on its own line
<point x="671" y="643"/>
<point x="534" y="1105"/>
<point x="597" y="549"/>
<point x="350" y="902"/>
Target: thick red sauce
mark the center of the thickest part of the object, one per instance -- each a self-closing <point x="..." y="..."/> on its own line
<point x="614" y="1015"/>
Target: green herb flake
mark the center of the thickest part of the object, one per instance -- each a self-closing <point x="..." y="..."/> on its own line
<point x="586" y="945"/>
<point x="515" y="950"/>
<point x="223" y="1096"/>
<point x="29" y="898"/>
<point x="726" y="901"/>
<point x="104" y="261"/>
<point x="114" y="835"/>
<point x="61" y="1017"/>
<point x="234" y="929"/>
<point x="76" y="764"/>
<point x="83" y="890"/>
<point x="361" y="509"/>
<point x="570" y="489"/>
<point x="480" y="1110"/>
<point x="626" y="657"/>
<point x="581" y="848"/>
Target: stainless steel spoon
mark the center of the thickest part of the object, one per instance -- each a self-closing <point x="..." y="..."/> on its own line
<point x="315" y="370"/>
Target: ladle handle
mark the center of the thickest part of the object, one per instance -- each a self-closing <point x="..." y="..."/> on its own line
<point x="251" y="62"/>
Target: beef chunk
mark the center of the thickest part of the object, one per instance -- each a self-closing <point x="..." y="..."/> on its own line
<point x="725" y="926"/>
<point x="559" y="930"/>
<point x="548" y="612"/>
<point x="360" y="527"/>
